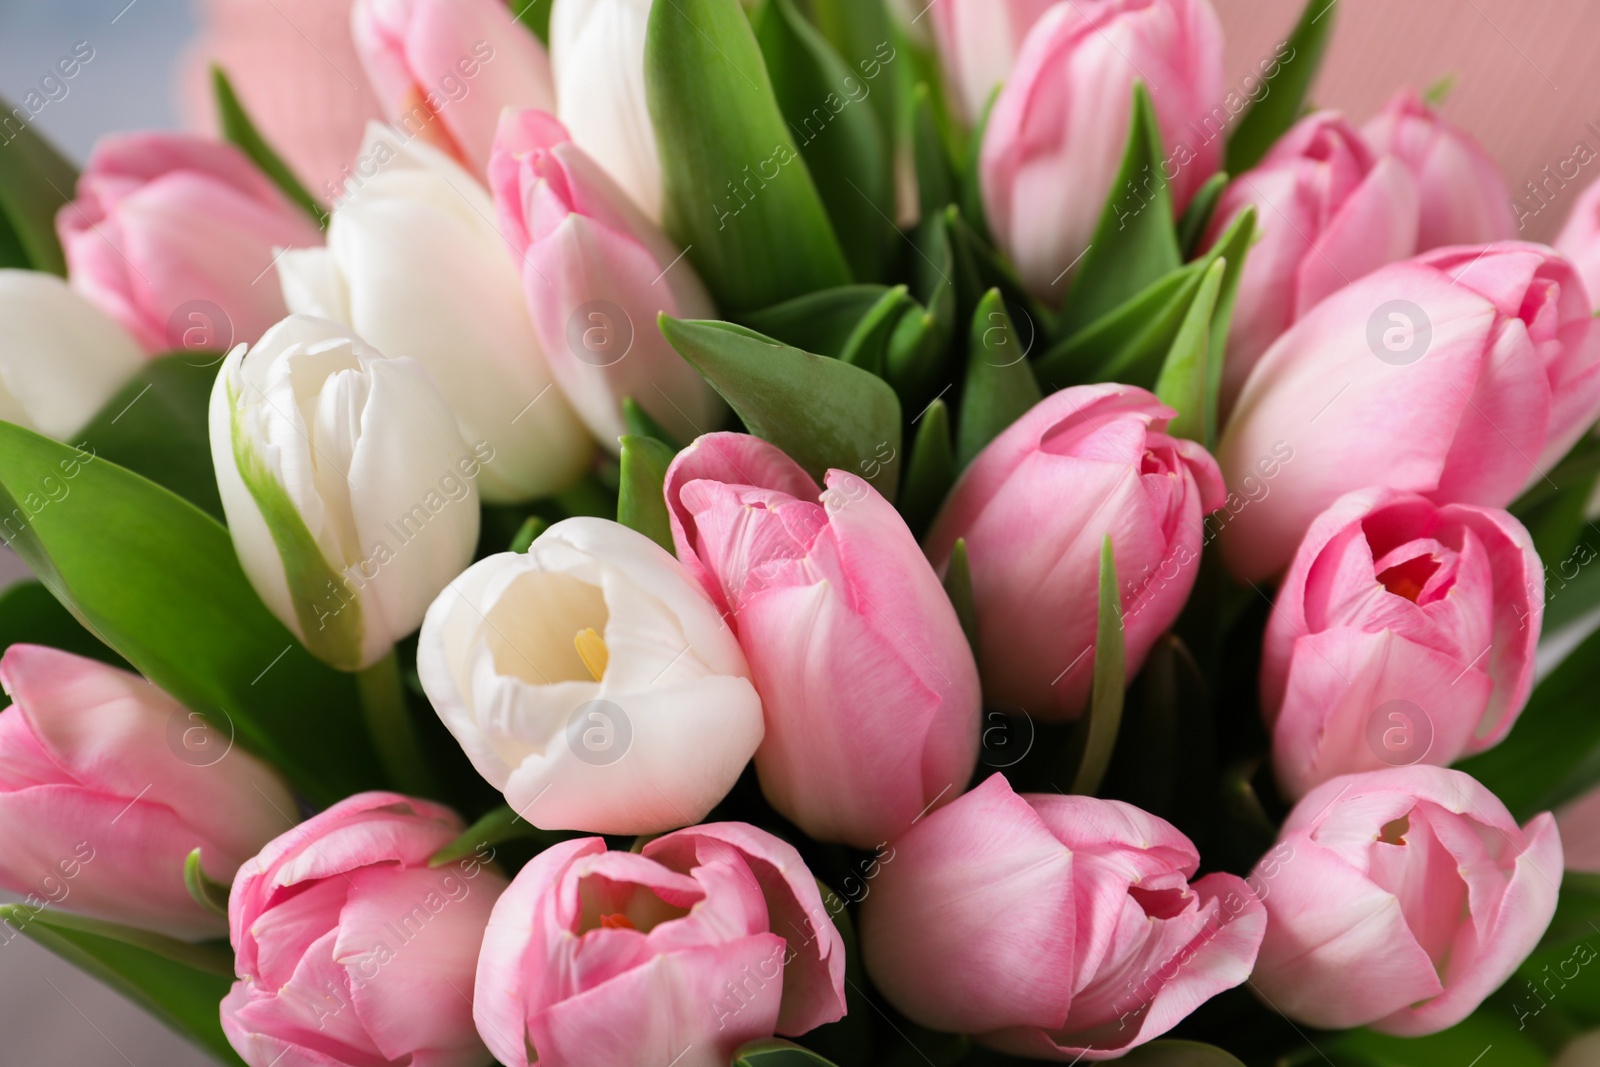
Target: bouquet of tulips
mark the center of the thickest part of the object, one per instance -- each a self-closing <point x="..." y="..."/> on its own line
<point x="807" y="533"/>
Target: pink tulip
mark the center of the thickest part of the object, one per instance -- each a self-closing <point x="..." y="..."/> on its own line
<point x="1035" y="508"/>
<point x="445" y="69"/>
<point x="978" y="42"/>
<point x="1399" y="899"/>
<point x="1404" y="633"/>
<point x="351" y="949"/>
<point x="1057" y="134"/>
<point x="107" y="784"/>
<point x="176" y="238"/>
<point x="1465" y="199"/>
<point x="1330" y="211"/>
<point x="1579" y="821"/>
<point x="597" y="273"/>
<point x="1580" y="240"/>
<point x="711" y="937"/>
<point x="1053" y="927"/>
<point x="1461" y="375"/>
<point x="867" y="683"/>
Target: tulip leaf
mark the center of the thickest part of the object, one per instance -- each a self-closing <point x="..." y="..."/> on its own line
<point x="821" y="322"/>
<point x="528" y="533"/>
<point x="971" y="178"/>
<point x="30" y="615"/>
<point x="936" y="179"/>
<point x="496" y="828"/>
<point x="1197" y="216"/>
<point x="212" y="896"/>
<point x="640" y="423"/>
<point x="739" y="197"/>
<point x="1555" y="511"/>
<point x="180" y="984"/>
<point x="823" y="412"/>
<point x="1284" y="90"/>
<point x="1494" y="1027"/>
<point x="843" y="143"/>
<point x="932" y="470"/>
<point x="958" y="587"/>
<point x="863" y="33"/>
<point x="35" y="180"/>
<point x="1179" y="1054"/>
<point x="1103" y="721"/>
<point x="157" y="580"/>
<point x="868" y="345"/>
<point x="775" y="1052"/>
<point x="1184" y="384"/>
<point x="980" y="261"/>
<point x="238" y="129"/>
<point x="1000" y="386"/>
<point x="1135" y="242"/>
<point x="641" y="499"/>
<point x="919" y="351"/>
<point x="535" y="14"/>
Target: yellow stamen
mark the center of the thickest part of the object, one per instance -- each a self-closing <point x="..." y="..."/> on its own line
<point x="592" y="650"/>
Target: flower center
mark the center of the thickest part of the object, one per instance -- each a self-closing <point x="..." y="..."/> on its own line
<point x="1408" y="579"/>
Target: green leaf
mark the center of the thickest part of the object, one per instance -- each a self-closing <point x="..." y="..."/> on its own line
<point x="496" y="828"/>
<point x="641" y="502"/>
<point x="180" y="984"/>
<point x="535" y="14"/>
<point x="971" y="177"/>
<point x="932" y="470"/>
<point x="821" y="323"/>
<point x="1555" y="511"/>
<point x="158" y="426"/>
<point x="528" y="534"/>
<point x="1184" y="384"/>
<point x="1103" y="720"/>
<point x="157" y="580"/>
<point x="958" y="587"/>
<point x="30" y="615"/>
<point x="1000" y="386"/>
<point x="213" y="896"/>
<point x="774" y="1052"/>
<point x="1135" y="243"/>
<point x="862" y="32"/>
<point x="1179" y="1054"/>
<point x="240" y="130"/>
<point x="868" y="346"/>
<point x="919" y="350"/>
<point x="1197" y="216"/>
<point x="35" y="180"/>
<point x="936" y="179"/>
<point x="1284" y="90"/>
<point x="823" y="412"/>
<point x="640" y="424"/>
<point x="736" y="189"/>
<point x="1462" y="1044"/>
<point x="979" y="260"/>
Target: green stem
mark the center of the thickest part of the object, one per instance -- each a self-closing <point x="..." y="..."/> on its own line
<point x="389" y="722"/>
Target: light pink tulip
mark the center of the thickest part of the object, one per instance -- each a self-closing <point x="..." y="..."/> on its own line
<point x="1465" y="199"/>
<point x="445" y="69"/>
<point x="1329" y="211"/>
<point x="1035" y="508"/>
<point x="107" y="784"/>
<point x="978" y="42"/>
<point x="867" y="683"/>
<point x="711" y="937"/>
<point x="1053" y="927"/>
<point x="1579" y="821"/>
<point x="1461" y="375"/>
<point x="1580" y="240"/>
<point x="1404" y="633"/>
<point x="1399" y="899"/>
<point x="1057" y="134"/>
<point x="597" y="273"/>
<point x="351" y="949"/>
<point x="176" y="238"/>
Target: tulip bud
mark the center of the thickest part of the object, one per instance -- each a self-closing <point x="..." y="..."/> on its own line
<point x="868" y="684"/>
<point x="1053" y="927"/>
<point x="1329" y="211"/>
<point x="415" y="266"/>
<point x="1057" y="135"/>
<point x="978" y="41"/>
<point x="63" y="358"/>
<point x="172" y="233"/>
<point x="1418" y="873"/>
<point x="1465" y="199"/>
<point x="592" y="682"/>
<point x="348" y="491"/>
<point x="711" y="937"/>
<point x="107" y="784"/>
<point x="597" y="274"/>
<point x="445" y="69"/>
<point x="1035" y="508"/>
<point x="1580" y="240"/>
<point x="1461" y="375"/>
<point x="1404" y="633"/>
<point x="351" y="949"/>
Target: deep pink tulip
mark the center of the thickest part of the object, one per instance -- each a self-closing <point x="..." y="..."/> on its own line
<point x="1035" y="508"/>
<point x="711" y="937"/>
<point x="1404" y="633"/>
<point x="978" y="42"/>
<point x="1399" y="899"/>
<point x="445" y="69"/>
<point x="107" y="784"/>
<point x="1580" y="240"/>
<point x="597" y="273"/>
<point x="1056" y="137"/>
<point x="351" y="949"/>
<point x="1462" y="375"/>
<point x="176" y="237"/>
<point x="867" y="683"/>
<point x="1053" y="927"/>
<point x="1465" y="199"/>
<point x="1329" y="211"/>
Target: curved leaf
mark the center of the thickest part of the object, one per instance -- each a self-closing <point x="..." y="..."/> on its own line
<point x="239" y="129"/>
<point x="35" y="180"/>
<point x="1000" y="386"/>
<point x="1103" y="721"/>
<point x="641" y="503"/>
<point x="1284" y="90"/>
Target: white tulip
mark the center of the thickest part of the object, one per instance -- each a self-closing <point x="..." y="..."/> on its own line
<point x="593" y="682"/>
<point x="597" y="55"/>
<point x="415" y="264"/>
<point x="349" y="493"/>
<point x="61" y="358"/>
